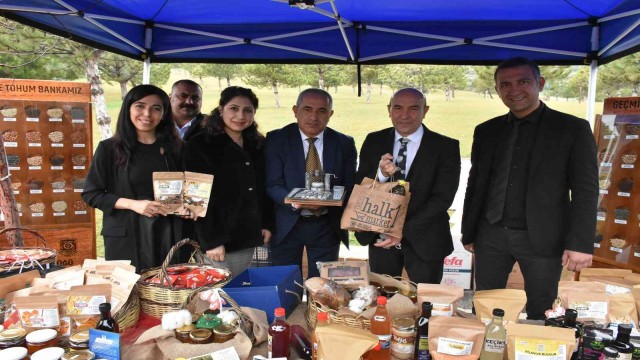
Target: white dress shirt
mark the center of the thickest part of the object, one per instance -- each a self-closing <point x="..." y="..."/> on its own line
<point x="412" y="149"/>
<point x="183" y="130"/>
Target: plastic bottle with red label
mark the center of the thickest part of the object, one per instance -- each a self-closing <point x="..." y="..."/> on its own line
<point x="279" y="332"/>
<point x="381" y="326"/>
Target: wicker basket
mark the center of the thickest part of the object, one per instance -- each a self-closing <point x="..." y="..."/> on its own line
<point x="129" y="313"/>
<point x="313" y="307"/>
<point x="157" y="299"/>
<point x="31" y="265"/>
<point x="245" y="322"/>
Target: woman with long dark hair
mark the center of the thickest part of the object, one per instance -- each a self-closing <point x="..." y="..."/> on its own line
<point x="134" y="226"/>
<point x="240" y="216"/>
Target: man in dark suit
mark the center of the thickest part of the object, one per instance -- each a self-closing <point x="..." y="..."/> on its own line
<point x="532" y="192"/>
<point x="430" y="162"/>
<point x="286" y="151"/>
<point x="186" y="102"/>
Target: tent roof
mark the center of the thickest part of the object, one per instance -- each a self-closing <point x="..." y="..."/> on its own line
<point x="343" y="31"/>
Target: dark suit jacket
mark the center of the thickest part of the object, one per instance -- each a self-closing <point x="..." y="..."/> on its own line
<point x="195" y="128"/>
<point x="433" y="181"/>
<point x="286" y="167"/>
<point x="239" y="208"/>
<point x="562" y="185"/>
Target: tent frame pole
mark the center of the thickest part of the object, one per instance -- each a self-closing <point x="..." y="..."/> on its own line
<point x="593" y="76"/>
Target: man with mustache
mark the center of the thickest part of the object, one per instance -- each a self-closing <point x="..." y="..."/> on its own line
<point x="532" y="192"/>
<point x="186" y="102"/>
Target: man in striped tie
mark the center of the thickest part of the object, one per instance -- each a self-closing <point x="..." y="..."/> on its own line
<point x="308" y="145"/>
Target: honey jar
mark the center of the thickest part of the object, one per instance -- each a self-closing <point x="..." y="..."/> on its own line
<point x="201" y="336"/>
<point x="12" y="338"/>
<point x="50" y="353"/>
<point x="79" y="355"/>
<point x="14" y="353"/>
<point x="403" y="338"/>
<point x="389" y="291"/>
<point x="223" y="333"/>
<point x="41" y="339"/>
<point x="410" y="294"/>
<point x="79" y="340"/>
<point x="182" y="333"/>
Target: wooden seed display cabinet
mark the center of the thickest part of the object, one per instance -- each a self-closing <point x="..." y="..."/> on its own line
<point x="46" y="130"/>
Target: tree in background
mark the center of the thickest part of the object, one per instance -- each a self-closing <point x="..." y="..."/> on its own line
<point x="264" y="75"/>
<point x="370" y="74"/>
<point x="622" y="74"/>
<point x="218" y="71"/>
<point x="121" y="70"/>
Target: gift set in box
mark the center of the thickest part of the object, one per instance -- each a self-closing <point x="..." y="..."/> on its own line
<point x="267" y="288"/>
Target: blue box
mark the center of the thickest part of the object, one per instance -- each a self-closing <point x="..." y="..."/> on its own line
<point x="267" y="288"/>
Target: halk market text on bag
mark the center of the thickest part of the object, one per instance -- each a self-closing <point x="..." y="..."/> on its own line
<point x="372" y="207"/>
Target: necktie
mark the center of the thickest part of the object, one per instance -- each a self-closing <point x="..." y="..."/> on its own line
<point x="500" y="179"/>
<point x="313" y="161"/>
<point x="401" y="160"/>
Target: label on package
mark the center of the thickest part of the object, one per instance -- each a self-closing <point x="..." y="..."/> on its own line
<point x="84" y="304"/>
<point x="104" y="344"/>
<point x="40" y="317"/>
<point x="539" y="349"/>
<point x="442" y="309"/>
<point x="494" y="345"/>
<point x="454" y="346"/>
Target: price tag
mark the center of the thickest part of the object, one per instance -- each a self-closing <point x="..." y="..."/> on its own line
<point x="55" y="119"/>
<point x="78" y="190"/>
<point x="57" y="145"/>
<point x="58" y="190"/>
<point x="77" y="121"/>
<point x="615" y="249"/>
<point x="636" y="254"/>
<point x="624" y="194"/>
<point x="58" y="214"/>
<point x="631" y="137"/>
<point x="627" y="166"/>
<point x="16" y="192"/>
<point x="11" y="144"/>
<point x="32" y="119"/>
<point x="596" y="245"/>
<point x="35" y="167"/>
<point x="606" y="164"/>
<point x="78" y="167"/>
<point x="618" y="221"/>
<point x="35" y="144"/>
<point x="610" y="136"/>
<point x="37" y="214"/>
<point x="604" y="192"/>
<point x="56" y="168"/>
<point x="600" y="218"/>
<point x="38" y="191"/>
<point x="14" y="119"/>
<point x="82" y="212"/>
<point x="78" y="145"/>
<point x="14" y="167"/>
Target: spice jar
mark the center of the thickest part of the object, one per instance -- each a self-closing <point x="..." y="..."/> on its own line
<point x="50" y="353"/>
<point x="12" y="338"/>
<point x="223" y="333"/>
<point x="182" y="333"/>
<point x="410" y="294"/>
<point x="201" y="336"/>
<point x="41" y="339"/>
<point x="13" y="353"/>
<point x="79" y="355"/>
<point x="403" y="338"/>
<point x="79" y="340"/>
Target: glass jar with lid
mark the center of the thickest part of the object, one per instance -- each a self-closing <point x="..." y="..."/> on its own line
<point x="41" y="339"/>
<point x="14" y="353"/>
<point x="223" y="333"/>
<point x="79" y="355"/>
<point x="201" y="336"/>
<point x="403" y="337"/>
<point x="79" y="340"/>
<point x="12" y="338"/>
<point x="182" y="333"/>
<point x="50" y="353"/>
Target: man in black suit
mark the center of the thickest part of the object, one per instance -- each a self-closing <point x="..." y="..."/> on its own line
<point x="430" y="162"/>
<point x="186" y="102"/>
<point x="287" y="152"/>
<point x="532" y="192"/>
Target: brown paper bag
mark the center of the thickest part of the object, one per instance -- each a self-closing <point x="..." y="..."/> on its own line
<point x="566" y="287"/>
<point x="586" y="274"/>
<point x="512" y="301"/>
<point x="591" y="306"/>
<point x="622" y="309"/>
<point x="543" y="341"/>
<point x="372" y="207"/>
<point x="443" y="297"/>
<point x="343" y="342"/>
<point x="455" y="336"/>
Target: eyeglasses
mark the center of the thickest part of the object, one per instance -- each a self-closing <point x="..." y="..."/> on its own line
<point x="185" y="97"/>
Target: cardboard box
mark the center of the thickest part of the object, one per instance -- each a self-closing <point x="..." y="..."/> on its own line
<point x="267" y="288"/>
<point x="457" y="269"/>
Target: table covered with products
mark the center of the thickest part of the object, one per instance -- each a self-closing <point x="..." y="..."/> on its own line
<point x="104" y="309"/>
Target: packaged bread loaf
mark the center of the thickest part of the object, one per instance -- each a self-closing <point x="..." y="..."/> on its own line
<point x="327" y="292"/>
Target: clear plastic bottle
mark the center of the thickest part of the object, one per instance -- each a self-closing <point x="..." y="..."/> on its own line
<point x="322" y="320"/>
<point x="279" y="332"/>
<point x="495" y="338"/>
<point x="381" y="326"/>
<point x="422" y="333"/>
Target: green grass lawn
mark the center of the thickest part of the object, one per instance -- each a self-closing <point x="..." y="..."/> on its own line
<point x="352" y="115"/>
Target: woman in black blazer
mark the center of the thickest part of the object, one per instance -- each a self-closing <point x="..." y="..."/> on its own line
<point x="120" y="182"/>
<point x="240" y="216"/>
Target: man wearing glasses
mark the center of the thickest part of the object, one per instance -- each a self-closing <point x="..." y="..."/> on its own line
<point x="186" y="102"/>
